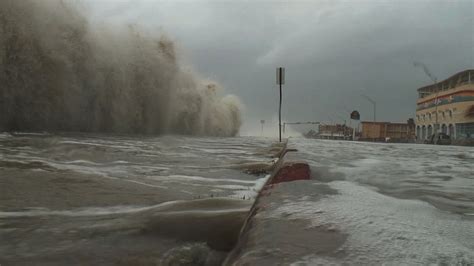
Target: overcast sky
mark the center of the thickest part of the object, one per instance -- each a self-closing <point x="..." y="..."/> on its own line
<point x="333" y="51"/>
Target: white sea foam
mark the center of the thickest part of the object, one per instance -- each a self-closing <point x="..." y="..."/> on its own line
<point x="251" y="192"/>
<point x="205" y="179"/>
<point x="5" y="135"/>
<point x="383" y="229"/>
<point x="441" y="175"/>
<point x="92" y="211"/>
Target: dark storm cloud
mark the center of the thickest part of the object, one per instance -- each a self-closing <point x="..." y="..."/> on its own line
<point x="334" y="51"/>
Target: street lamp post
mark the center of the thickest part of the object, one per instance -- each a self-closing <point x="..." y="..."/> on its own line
<point x="373" y="103"/>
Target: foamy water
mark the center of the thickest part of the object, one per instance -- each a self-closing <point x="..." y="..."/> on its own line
<point x="440" y="175"/>
<point x="101" y="199"/>
<point x="82" y="198"/>
<point x="398" y="204"/>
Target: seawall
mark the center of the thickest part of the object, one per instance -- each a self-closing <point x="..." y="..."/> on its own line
<point x="263" y="234"/>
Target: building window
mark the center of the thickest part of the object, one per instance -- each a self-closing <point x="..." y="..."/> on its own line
<point x="465" y="130"/>
<point x="429" y="131"/>
<point x="464" y="79"/>
<point x="444" y="129"/>
<point x="451" y="131"/>
<point x="429" y="116"/>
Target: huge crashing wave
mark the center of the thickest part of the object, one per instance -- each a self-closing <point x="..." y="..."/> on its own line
<point x="58" y="72"/>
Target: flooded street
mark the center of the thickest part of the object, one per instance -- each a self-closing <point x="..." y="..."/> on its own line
<point x="440" y="175"/>
<point x="371" y="204"/>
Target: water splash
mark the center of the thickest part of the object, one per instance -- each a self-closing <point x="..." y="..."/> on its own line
<point x="59" y="72"/>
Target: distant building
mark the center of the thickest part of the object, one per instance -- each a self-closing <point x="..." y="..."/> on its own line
<point x="387" y="131"/>
<point x="448" y="106"/>
<point x="336" y="131"/>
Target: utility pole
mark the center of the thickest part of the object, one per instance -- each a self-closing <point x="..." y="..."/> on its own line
<point x="373" y="103"/>
<point x="280" y="71"/>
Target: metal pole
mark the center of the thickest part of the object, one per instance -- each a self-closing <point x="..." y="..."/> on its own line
<point x="375" y="111"/>
<point x="280" y="80"/>
<point x="373" y="103"/>
<point x="279" y="111"/>
<point x="436" y="109"/>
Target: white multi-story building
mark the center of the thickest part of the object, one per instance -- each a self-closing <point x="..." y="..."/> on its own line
<point x="447" y="106"/>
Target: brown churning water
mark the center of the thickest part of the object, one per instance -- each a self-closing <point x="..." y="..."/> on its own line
<point x="60" y="72"/>
<point x="105" y="199"/>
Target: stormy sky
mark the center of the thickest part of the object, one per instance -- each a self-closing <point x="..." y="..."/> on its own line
<point x="333" y="51"/>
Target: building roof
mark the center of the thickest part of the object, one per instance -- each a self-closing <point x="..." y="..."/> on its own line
<point x="382" y="123"/>
<point x="433" y="86"/>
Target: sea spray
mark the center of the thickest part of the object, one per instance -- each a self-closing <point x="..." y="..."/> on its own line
<point x="59" y="72"/>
